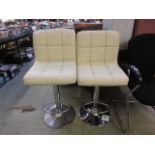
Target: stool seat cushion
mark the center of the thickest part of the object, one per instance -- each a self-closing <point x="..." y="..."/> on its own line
<point x="101" y="74"/>
<point x="51" y="73"/>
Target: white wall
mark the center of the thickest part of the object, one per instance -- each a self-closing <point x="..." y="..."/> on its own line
<point x="123" y="26"/>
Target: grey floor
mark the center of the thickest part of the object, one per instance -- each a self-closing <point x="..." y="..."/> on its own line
<point x="15" y="122"/>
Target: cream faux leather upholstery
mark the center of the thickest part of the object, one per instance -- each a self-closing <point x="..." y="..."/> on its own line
<point x="97" y="53"/>
<point x="55" y="58"/>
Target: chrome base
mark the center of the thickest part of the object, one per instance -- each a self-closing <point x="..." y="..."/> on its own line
<point x="98" y="115"/>
<point x="55" y="118"/>
<point x="58" y="114"/>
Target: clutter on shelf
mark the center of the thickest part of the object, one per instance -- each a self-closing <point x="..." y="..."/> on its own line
<point x="7" y="72"/>
<point x="18" y="57"/>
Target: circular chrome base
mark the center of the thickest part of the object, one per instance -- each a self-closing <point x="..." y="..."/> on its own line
<point x="99" y="115"/>
<point x="57" y="119"/>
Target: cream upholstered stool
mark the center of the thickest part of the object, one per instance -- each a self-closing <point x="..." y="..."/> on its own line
<point x="97" y="53"/>
<point x="54" y="65"/>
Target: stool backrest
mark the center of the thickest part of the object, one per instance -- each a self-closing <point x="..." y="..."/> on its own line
<point x="54" y="45"/>
<point x="97" y="46"/>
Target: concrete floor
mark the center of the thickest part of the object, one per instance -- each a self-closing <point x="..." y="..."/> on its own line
<point x="15" y="93"/>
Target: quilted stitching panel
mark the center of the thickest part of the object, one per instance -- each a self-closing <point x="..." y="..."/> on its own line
<point x="83" y="39"/>
<point x="53" y="37"/>
<point x="55" y="53"/>
<point x="97" y="45"/>
<point x="111" y="54"/>
<point x="68" y="38"/>
<point x="54" y="45"/>
<point x="97" y="54"/>
<point x="68" y="53"/>
<point x="98" y="38"/>
<point x="41" y="53"/>
<point x="83" y="54"/>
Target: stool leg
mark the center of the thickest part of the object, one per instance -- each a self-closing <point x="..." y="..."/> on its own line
<point x="128" y="107"/>
<point x="125" y="126"/>
<point x="128" y="113"/>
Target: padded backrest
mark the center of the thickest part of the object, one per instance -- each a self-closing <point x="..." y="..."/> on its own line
<point x="54" y="45"/>
<point x="97" y="46"/>
<point x="141" y="53"/>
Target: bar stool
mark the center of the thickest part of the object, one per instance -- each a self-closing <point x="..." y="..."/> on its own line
<point x="97" y="53"/>
<point x="54" y="65"/>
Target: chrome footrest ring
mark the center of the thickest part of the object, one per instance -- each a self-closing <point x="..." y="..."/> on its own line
<point x="99" y="115"/>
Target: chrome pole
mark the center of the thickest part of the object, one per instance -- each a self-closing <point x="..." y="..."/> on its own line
<point x="57" y="97"/>
<point x="96" y="96"/>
